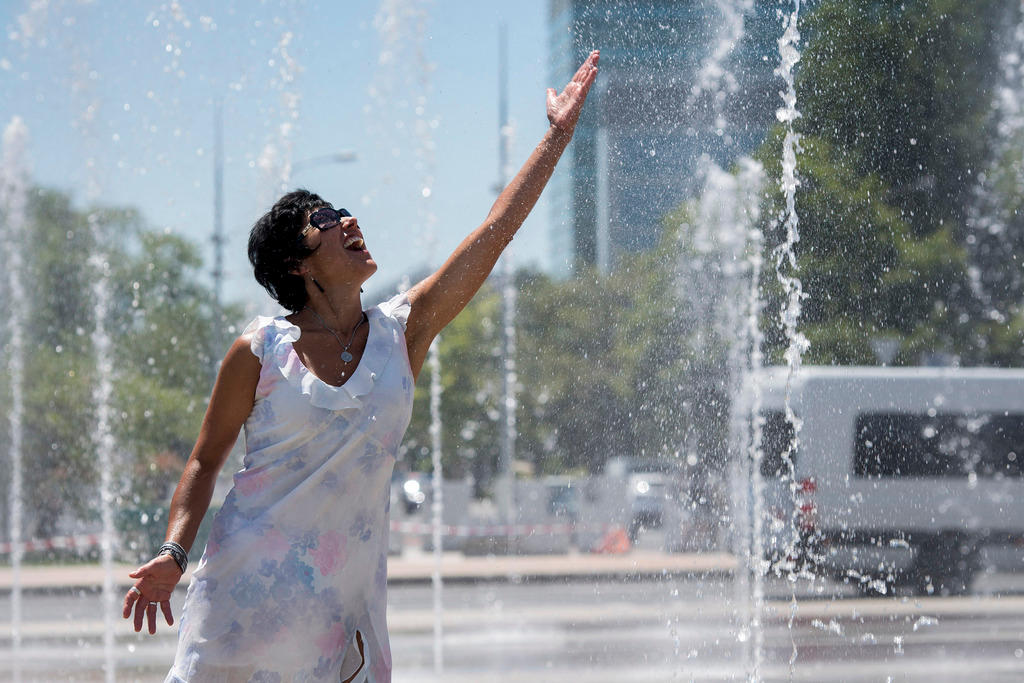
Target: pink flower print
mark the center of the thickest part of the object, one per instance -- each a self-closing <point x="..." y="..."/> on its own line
<point x="267" y="382"/>
<point x="329" y="554"/>
<point x="292" y="364"/>
<point x="330" y="643"/>
<point x="273" y="544"/>
<point x="249" y="483"/>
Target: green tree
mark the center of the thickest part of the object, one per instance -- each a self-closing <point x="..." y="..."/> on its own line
<point x="896" y="103"/>
<point x="163" y="328"/>
<point x="604" y="368"/>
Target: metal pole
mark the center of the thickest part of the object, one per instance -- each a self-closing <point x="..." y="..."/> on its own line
<point x="508" y="443"/>
<point x="218" y="202"/>
<point x="218" y="337"/>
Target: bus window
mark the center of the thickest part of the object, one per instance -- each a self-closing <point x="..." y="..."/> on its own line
<point x="943" y="445"/>
<point x="776" y="435"/>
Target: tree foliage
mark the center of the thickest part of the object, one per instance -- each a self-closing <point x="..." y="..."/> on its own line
<point x="604" y="368"/>
<point x="163" y="326"/>
<point x="897" y="103"/>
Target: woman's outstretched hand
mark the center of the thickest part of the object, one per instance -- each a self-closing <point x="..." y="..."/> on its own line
<point x="564" y="109"/>
<point x="156" y="581"/>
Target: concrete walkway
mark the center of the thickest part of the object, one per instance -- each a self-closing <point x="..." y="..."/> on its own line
<point x="419" y="568"/>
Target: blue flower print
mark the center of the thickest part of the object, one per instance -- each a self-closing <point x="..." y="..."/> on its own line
<point x="267" y="622"/>
<point x="340" y="424"/>
<point x="248" y="591"/>
<point x="292" y="574"/>
<point x="324" y="667"/>
<point x="234" y="639"/>
<point x="317" y="416"/>
<point x="361" y="528"/>
<point x="268" y="568"/>
<point x="331" y="481"/>
<point x="306" y="541"/>
<point x="370" y="460"/>
<point x="380" y="577"/>
<point x="327" y="607"/>
<point x="264" y="676"/>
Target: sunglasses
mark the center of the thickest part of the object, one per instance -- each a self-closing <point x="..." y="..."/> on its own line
<point x="327" y="218"/>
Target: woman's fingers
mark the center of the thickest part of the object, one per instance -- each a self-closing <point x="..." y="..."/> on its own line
<point x="151" y="617"/>
<point x="165" y="607"/>
<point x="586" y="68"/>
<point x="154" y="587"/>
<point x="140" y="614"/>
<point x="129" y="600"/>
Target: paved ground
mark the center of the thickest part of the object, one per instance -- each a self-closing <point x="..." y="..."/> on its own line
<point x="419" y="567"/>
<point x="679" y="628"/>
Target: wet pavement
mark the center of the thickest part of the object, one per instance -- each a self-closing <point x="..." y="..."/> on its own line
<point x="601" y="629"/>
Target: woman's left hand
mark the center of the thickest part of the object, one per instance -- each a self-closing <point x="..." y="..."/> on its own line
<point x="156" y="581"/>
<point x="564" y="109"/>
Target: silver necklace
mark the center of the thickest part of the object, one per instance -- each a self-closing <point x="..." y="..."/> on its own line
<point x="346" y="357"/>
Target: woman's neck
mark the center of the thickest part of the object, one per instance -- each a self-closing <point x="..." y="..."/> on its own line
<point x="337" y="310"/>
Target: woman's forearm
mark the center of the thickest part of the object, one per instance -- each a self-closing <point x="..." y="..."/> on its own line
<point x="516" y="201"/>
<point x="439" y="298"/>
<point x="190" y="502"/>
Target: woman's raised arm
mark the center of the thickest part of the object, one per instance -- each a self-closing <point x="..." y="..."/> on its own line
<point x="439" y="297"/>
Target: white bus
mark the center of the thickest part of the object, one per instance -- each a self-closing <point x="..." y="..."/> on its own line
<point x="903" y="476"/>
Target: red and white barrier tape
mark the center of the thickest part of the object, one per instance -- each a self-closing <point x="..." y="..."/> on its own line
<point x="467" y="530"/>
<point x="86" y="541"/>
<point x="81" y="542"/>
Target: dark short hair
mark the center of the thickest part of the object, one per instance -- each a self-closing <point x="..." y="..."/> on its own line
<point x="276" y="247"/>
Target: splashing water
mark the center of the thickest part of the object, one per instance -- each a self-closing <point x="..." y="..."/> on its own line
<point x="104" y="438"/>
<point x="13" y="192"/>
<point x="729" y="242"/>
<point x="437" y="500"/>
<point x="276" y="158"/>
<point x="989" y="218"/>
<point x="713" y="77"/>
<point x="785" y="263"/>
<point x="104" y="441"/>
<point x="402" y="27"/>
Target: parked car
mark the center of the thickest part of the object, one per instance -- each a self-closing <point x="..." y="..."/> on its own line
<point x="647" y="486"/>
<point x="410" y="488"/>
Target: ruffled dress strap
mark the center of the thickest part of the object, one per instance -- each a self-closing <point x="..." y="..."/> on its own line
<point x="397" y="308"/>
<point x="267" y="333"/>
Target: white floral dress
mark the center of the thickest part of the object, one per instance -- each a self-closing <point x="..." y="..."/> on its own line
<point x="296" y="563"/>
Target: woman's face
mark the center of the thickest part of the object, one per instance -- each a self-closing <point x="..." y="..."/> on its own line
<point x="339" y="247"/>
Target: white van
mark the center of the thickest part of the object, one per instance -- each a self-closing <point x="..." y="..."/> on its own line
<point x="902" y="475"/>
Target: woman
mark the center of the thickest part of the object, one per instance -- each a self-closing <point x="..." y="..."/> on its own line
<point x="291" y="585"/>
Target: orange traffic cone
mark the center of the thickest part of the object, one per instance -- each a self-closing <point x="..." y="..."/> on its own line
<point x="615" y="542"/>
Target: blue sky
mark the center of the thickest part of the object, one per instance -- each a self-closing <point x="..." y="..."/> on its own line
<point x="118" y="101"/>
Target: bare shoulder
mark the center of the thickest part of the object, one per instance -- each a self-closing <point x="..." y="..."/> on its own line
<point x="241" y="349"/>
<point x="240" y="366"/>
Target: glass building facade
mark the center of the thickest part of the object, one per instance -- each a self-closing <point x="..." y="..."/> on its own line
<point x="637" y="147"/>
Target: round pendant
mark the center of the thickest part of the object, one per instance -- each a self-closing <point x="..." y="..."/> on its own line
<point x="346" y="356"/>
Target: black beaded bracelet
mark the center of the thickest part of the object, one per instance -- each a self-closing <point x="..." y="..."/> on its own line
<point x="176" y="552"/>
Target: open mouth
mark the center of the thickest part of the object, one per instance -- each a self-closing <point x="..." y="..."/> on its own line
<point x="354" y="243"/>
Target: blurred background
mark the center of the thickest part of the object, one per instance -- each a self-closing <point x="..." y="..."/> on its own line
<point x="743" y="401"/>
